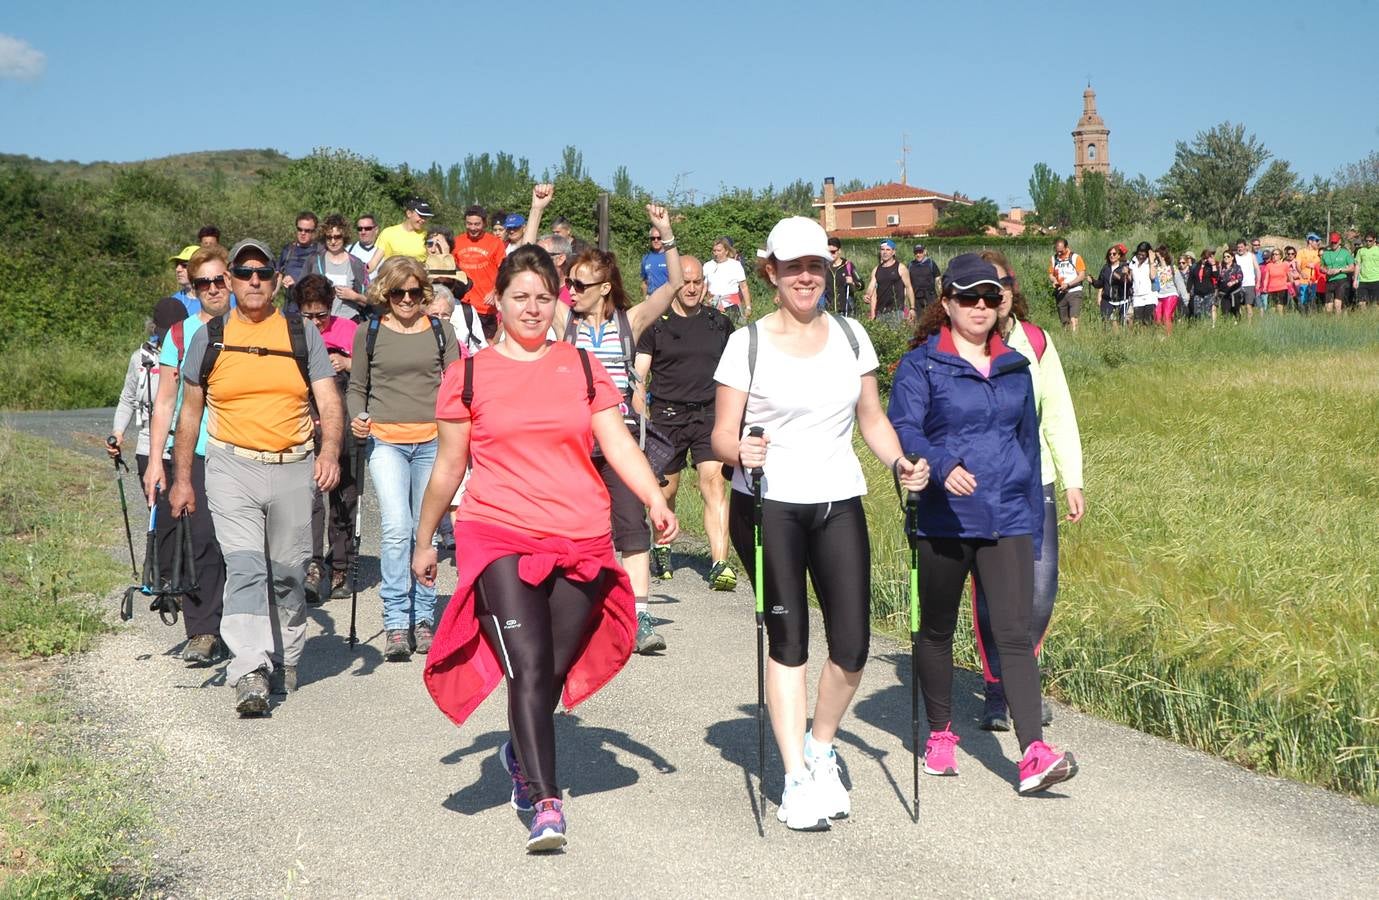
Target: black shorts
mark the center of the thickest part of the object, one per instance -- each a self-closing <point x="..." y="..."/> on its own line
<point x="1339" y="290"/>
<point x="690" y="432"/>
<point x="1368" y="292"/>
<point x="631" y="530"/>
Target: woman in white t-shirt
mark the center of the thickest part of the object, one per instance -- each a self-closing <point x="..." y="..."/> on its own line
<point x="812" y="378"/>
<point x="726" y="282"/>
<point x="1143" y="270"/>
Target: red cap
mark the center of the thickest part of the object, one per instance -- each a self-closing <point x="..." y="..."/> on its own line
<point x="1335" y="237"/>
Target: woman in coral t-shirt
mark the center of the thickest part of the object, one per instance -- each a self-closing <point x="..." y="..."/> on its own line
<point x="541" y="598"/>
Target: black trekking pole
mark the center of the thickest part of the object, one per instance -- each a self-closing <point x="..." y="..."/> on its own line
<point x="118" y="459"/>
<point x="912" y="533"/>
<point x="356" y="538"/>
<point x="759" y="582"/>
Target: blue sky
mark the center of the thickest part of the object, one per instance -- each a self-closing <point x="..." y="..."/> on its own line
<point x="736" y="96"/>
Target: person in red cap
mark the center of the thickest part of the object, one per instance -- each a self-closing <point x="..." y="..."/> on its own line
<point x="1338" y="265"/>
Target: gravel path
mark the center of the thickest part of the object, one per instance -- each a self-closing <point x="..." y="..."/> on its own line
<point x="357" y="786"/>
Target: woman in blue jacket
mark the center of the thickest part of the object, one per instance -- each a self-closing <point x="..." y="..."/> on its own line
<point x="964" y="401"/>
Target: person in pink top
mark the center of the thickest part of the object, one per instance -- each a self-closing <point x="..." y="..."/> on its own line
<point x="540" y="599"/>
<point x="1273" y="281"/>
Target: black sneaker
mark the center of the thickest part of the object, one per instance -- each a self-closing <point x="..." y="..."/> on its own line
<point x="315" y="574"/>
<point x="661" y="566"/>
<point x="648" y="641"/>
<point x="397" y="646"/>
<point x="251" y="694"/>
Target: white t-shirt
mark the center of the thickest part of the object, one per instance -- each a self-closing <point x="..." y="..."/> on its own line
<point x="722" y="278"/>
<point x="362" y="253"/>
<point x="1142" y="283"/>
<point x="807" y="408"/>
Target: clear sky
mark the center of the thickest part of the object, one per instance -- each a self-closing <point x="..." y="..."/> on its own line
<point x="744" y="94"/>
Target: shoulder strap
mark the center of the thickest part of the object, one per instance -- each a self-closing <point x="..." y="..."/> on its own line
<point x="1037" y="338"/>
<point x="215" y="341"/>
<point x="439" y="334"/>
<point x="467" y="394"/>
<point x="847" y="330"/>
<point x="370" y="341"/>
<point x="296" y="336"/>
<point x="751" y="373"/>
<point x="588" y="373"/>
<point x="470" y="339"/>
<point x="629" y="349"/>
<point x="571" y="329"/>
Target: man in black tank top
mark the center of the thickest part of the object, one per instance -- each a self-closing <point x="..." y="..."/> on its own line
<point x="889" y="294"/>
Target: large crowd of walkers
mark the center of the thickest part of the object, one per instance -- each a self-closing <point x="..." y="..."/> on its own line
<point x="511" y="403"/>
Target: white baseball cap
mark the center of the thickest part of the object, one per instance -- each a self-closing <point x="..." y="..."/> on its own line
<point x="796" y="237"/>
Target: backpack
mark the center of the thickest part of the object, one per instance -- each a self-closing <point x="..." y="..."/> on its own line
<point x="1038" y="339"/>
<point x="629" y="350"/>
<point x="371" y="339"/>
<point x="467" y="393"/>
<point x="215" y="343"/>
<point x="471" y="343"/>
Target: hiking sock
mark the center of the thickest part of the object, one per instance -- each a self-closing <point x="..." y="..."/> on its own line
<point x="816" y="749"/>
<point x="641" y="605"/>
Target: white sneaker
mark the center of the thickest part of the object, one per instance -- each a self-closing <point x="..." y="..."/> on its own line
<point x="833" y="797"/>
<point x="800" y="808"/>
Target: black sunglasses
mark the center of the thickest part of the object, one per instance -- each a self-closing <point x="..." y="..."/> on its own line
<point x="968" y="301"/>
<point x="580" y="287"/>
<point x="244" y="273"/>
<point x="335" y="237"/>
<point x="202" y="284"/>
<point x="416" y="294"/>
<point x="316" y="317"/>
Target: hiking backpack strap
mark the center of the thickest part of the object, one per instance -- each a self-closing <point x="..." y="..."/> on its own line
<point x="467" y="394"/>
<point x="468" y="312"/>
<point x="179" y="340"/>
<point x="1037" y="339"/>
<point x="847" y="331"/>
<point x="439" y="334"/>
<point x="296" y="336"/>
<point x="370" y="341"/>
<point x="215" y="342"/>
<point x="588" y="373"/>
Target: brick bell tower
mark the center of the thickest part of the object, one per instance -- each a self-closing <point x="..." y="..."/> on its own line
<point x="1091" y="140"/>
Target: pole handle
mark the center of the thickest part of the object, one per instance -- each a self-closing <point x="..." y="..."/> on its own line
<point x="756" y="431"/>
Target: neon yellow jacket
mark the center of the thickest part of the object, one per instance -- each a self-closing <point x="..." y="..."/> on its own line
<point x="1060" y="444"/>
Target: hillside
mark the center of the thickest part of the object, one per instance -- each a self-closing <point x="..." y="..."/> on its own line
<point x="235" y="166"/>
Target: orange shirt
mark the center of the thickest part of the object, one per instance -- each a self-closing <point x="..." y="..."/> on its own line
<point x="480" y="261"/>
<point x="1308" y="260"/>
<point x="258" y="402"/>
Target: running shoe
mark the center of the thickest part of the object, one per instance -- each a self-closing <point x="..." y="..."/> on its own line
<point x="251" y="694"/>
<point x="939" y="758"/>
<point x="547" y="828"/>
<point x="722" y="577"/>
<point x="660" y="563"/>
<point x="521" y="793"/>
<point x="422" y="636"/>
<point x="648" y="641"/>
<point x="832" y="796"/>
<point x="994" y="716"/>
<point x="397" y="647"/>
<point x="1043" y="766"/>
<point x="800" y="807"/>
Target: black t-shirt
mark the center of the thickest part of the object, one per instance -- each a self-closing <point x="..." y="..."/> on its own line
<point x="684" y="353"/>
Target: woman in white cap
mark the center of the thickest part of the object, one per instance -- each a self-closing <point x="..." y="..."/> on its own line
<point x="812" y="376"/>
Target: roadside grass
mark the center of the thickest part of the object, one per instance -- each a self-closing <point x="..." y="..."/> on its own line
<point x="67" y="819"/>
<point x="64" y="373"/>
<point x="1220" y="590"/>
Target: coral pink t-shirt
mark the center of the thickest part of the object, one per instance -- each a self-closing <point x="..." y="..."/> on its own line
<point x="339" y="334"/>
<point x="529" y="442"/>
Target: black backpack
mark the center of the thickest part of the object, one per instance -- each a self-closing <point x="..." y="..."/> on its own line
<point x="371" y="340"/>
<point x="215" y="343"/>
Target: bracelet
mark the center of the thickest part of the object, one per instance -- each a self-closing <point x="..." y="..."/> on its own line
<point x="667" y="245"/>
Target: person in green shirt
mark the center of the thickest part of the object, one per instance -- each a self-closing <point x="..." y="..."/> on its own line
<point x="1367" y="272"/>
<point x="1338" y="266"/>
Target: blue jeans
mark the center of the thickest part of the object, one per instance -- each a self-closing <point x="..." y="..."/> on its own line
<point x="399" y="473"/>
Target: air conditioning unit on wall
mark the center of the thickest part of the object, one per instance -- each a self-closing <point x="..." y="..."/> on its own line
<point x="893" y="220"/>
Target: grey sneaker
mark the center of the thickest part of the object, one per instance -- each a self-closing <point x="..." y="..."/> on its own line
<point x="661" y="565"/>
<point x="422" y="635"/>
<point x="315" y="574"/>
<point x="283" y="681"/>
<point x="397" y="647"/>
<point x="251" y="694"/>
<point x="648" y="641"/>
<point x="202" y="650"/>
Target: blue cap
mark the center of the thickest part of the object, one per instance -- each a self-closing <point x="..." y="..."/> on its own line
<point x="514" y="220"/>
<point x="888" y="243"/>
<point x="1313" y="236"/>
<point x="968" y="270"/>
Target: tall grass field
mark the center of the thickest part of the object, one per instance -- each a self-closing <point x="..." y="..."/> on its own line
<point x="1221" y="590"/>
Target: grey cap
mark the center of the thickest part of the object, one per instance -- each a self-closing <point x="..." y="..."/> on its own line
<point x="250" y="244"/>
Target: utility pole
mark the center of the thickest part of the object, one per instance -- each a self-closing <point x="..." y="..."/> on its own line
<point x="904" y="156"/>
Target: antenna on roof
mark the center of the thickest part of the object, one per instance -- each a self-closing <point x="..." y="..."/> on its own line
<point x="904" y="156"/>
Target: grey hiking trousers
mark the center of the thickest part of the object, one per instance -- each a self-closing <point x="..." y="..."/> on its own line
<point x="262" y="514"/>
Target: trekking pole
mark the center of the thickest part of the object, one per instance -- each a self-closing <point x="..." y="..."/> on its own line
<point x="355" y="539"/>
<point x="124" y="506"/>
<point x="759" y="582"/>
<point x="912" y="533"/>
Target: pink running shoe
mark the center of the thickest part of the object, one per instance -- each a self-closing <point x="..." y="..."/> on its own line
<point x="939" y="758"/>
<point x="1044" y="766"/>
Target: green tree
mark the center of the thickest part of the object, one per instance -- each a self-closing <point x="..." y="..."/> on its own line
<point x="1049" y="196"/>
<point x="1211" y="176"/>
<point x="969" y="218"/>
<point x="1275" y="198"/>
<point x="622" y="183"/>
<point x="1094" y="191"/>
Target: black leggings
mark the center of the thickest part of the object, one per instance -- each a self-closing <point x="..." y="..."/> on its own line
<point x="830" y="541"/>
<point x="1005" y="571"/>
<point x="536" y="633"/>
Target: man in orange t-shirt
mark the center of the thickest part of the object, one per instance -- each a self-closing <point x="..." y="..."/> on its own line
<point x="478" y="252"/>
<point x="261" y="471"/>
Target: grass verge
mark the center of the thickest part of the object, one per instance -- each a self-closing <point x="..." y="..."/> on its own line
<point x="67" y="818"/>
<point x="1219" y="591"/>
<point x="64" y="373"/>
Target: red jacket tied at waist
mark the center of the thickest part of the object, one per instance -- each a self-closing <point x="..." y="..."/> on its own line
<point x="462" y="669"/>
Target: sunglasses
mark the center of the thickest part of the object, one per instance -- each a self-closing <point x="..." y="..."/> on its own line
<point x="244" y="273"/>
<point x="415" y="294"/>
<point x="580" y="287"/>
<point x="656" y="237"/>
<point x="969" y="301"/>
<point x="202" y="284"/>
<point x="306" y="230"/>
<point x="316" y="317"/>
<point x="366" y="227"/>
<point x="335" y="237"/>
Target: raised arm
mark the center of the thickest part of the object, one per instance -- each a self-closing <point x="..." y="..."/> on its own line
<point x="652" y="308"/>
<point x="541" y="195"/>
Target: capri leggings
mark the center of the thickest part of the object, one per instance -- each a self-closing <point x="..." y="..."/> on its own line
<point x="631" y="531"/>
<point x="536" y="632"/>
<point x="1005" y="569"/>
<point x="830" y="542"/>
<point x="1045" y="590"/>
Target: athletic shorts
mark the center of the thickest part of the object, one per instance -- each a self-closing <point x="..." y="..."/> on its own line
<point x="1144" y="315"/>
<point x="1339" y="290"/>
<point x="1111" y="310"/>
<point x="631" y="530"/>
<point x="1070" y="305"/>
<point x="1368" y="292"/>
<point x="1247" y="296"/>
<point x="689" y="434"/>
